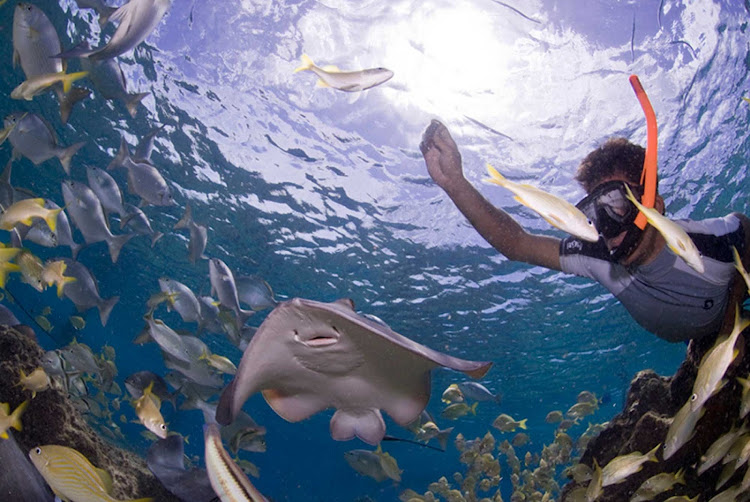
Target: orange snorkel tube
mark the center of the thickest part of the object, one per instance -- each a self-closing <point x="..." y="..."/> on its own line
<point x="648" y="175"/>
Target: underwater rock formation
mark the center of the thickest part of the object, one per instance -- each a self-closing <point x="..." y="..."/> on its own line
<point x="651" y="403"/>
<point x="51" y="419"/>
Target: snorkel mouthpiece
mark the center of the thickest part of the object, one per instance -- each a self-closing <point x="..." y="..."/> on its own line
<point x="648" y="175"/>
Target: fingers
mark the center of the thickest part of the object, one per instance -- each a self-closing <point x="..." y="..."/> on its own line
<point x="432" y="132"/>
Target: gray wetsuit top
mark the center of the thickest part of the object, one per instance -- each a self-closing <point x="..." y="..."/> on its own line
<point x="666" y="296"/>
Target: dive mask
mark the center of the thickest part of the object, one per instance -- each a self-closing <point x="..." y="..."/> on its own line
<point x="608" y="207"/>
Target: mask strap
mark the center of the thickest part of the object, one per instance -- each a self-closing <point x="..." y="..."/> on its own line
<point x="648" y="175"/>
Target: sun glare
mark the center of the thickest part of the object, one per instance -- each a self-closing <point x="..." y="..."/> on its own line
<point x="451" y="61"/>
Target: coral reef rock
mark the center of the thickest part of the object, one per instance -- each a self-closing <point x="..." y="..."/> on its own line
<point x="52" y="419"/>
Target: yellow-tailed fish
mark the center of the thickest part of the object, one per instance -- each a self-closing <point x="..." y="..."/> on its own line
<point x="6" y="267"/>
<point x="715" y="363"/>
<point x="452" y="394"/>
<point x="619" y="468"/>
<point x="78" y="322"/>
<point x="36" y="381"/>
<point x="53" y="274"/>
<point x="677" y="239"/>
<point x="8" y="419"/>
<point x="741" y="268"/>
<point x="71" y="476"/>
<point x="218" y="362"/>
<point x="147" y="409"/>
<point x="349" y="81"/>
<point x="681" y="429"/>
<point x="227" y="479"/>
<point x="595" y="485"/>
<point x="657" y="484"/>
<point x="31" y="268"/>
<point x="458" y="410"/>
<point x="38" y="84"/>
<point x="43" y="323"/>
<point x="557" y="212"/>
<point x="389" y="464"/>
<point x="24" y="211"/>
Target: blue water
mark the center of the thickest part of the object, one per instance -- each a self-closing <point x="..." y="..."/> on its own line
<point x="325" y="194"/>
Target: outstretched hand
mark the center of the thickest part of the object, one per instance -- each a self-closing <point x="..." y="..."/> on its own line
<point x="441" y="155"/>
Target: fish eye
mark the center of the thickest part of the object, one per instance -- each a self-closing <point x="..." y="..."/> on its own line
<point x="38" y="450"/>
<point x="693" y="397"/>
<point x="163" y="427"/>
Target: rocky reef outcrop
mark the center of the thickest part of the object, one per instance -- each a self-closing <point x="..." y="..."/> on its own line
<point x="651" y="404"/>
<point x="52" y="419"/>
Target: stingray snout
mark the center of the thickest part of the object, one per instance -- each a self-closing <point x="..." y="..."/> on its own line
<point x="318" y="339"/>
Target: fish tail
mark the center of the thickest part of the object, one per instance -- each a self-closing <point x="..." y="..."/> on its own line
<point x="187" y="219"/>
<point x="66" y="156"/>
<point x="132" y="102"/>
<point x="522" y="423"/>
<point x="75" y="248"/>
<point x="69" y="78"/>
<point x="15" y="417"/>
<point x="68" y="100"/>
<point x="104" y="14"/>
<point x="122" y="155"/>
<point x="116" y="243"/>
<point x="443" y="437"/>
<point x="652" y="454"/>
<point x="5" y="269"/>
<point x="51" y="219"/>
<point x="155" y="237"/>
<point x="105" y="308"/>
<point x="495" y="176"/>
<point x="307" y="63"/>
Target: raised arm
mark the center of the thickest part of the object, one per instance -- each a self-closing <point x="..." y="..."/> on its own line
<point x="497" y="227"/>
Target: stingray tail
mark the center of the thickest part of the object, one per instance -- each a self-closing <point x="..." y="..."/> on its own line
<point x="423" y="445"/>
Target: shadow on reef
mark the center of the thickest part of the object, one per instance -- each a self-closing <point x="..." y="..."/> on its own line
<point x="651" y="404"/>
<point x="52" y="419"/>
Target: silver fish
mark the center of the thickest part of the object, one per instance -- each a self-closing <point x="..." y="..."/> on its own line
<point x="184" y="300"/>
<point x="255" y="292"/>
<point x="84" y="292"/>
<point x="109" y="80"/>
<point x="137" y="19"/>
<point x="167" y="338"/>
<point x="223" y="285"/>
<point x="35" y="41"/>
<point x="144" y="179"/>
<point x="198" y="235"/>
<point x="33" y="138"/>
<point x="139" y="223"/>
<point x="86" y="212"/>
<point x="62" y="236"/>
<point x="106" y="189"/>
<point x="349" y="81"/>
<point x="199" y="373"/>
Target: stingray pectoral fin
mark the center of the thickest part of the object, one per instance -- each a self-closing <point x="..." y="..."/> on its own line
<point x="293" y="408"/>
<point x="366" y="424"/>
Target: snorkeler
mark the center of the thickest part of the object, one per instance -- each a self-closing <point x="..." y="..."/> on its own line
<point x="659" y="290"/>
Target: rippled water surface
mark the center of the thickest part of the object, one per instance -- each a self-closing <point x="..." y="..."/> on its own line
<point x="325" y="194"/>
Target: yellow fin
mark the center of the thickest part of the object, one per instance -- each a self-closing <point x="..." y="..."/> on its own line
<point x="321" y="83"/>
<point x="307" y="63"/>
<point x="69" y="78"/>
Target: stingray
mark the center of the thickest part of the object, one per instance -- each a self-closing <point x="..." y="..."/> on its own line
<point x="308" y="356"/>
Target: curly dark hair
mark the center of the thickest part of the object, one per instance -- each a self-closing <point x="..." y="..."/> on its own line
<point x="615" y="156"/>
